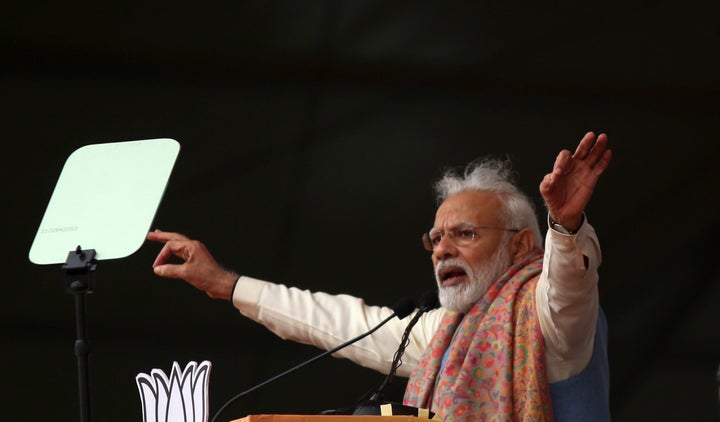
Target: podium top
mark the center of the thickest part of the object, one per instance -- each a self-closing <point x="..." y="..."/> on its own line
<point x="329" y="418"/>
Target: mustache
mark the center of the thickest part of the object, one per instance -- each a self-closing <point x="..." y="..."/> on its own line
<point x="452" y="262"/>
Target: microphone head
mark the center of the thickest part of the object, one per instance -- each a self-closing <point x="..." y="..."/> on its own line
<point x="429" y="300"/>
<point x="403" y="307"/>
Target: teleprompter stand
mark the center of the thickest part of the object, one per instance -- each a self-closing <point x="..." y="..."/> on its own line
<point x="106" y="197"/>
<point x="79" y="281"/>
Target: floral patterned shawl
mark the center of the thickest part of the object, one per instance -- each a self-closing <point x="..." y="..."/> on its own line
<point x="495" y="369"/>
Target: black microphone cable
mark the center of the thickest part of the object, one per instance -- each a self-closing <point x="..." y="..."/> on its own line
<point x="428" y="302"/>
<point x="401" y="309"/>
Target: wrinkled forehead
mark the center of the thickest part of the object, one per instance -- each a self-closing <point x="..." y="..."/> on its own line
<point x="478" y="208"/>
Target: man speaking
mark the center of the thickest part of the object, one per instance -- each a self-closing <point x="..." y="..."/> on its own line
<point x="520" y="335"/>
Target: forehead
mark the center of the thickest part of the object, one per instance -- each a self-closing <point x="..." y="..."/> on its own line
<point x="472" y="207"/>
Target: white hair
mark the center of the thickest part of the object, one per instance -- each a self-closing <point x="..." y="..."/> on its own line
<point x="496" y="176"/>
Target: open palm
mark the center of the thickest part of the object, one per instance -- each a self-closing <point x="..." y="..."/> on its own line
<point x="568" y="188"/>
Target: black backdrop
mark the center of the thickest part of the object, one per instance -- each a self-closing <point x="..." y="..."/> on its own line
<point x="311" y="133"/>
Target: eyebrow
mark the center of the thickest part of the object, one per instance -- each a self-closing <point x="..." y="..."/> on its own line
<point x="458" y="225"/>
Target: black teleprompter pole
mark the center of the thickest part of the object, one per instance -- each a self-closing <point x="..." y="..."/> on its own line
<point x="79" y="271"/>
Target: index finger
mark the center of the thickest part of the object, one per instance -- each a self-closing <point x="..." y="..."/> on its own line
<point x="161" y="236"/>
<point x="170" y="249"/>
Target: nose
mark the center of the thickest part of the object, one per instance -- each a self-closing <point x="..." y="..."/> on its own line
<point x="444" y="249"/>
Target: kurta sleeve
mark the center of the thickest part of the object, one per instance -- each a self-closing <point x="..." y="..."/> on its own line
<point x="326" y="321"/>
<point x="567" y="300"/>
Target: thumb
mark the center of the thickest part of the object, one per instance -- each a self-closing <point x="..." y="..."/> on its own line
<point x="166" y="270"/>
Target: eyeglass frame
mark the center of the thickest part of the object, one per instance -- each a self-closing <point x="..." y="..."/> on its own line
<point x="453" y="232"/>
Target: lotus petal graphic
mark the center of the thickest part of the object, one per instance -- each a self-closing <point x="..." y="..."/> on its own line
<point x="182" y="397"/>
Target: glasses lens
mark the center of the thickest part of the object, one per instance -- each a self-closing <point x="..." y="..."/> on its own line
<point x="434" y="237"/>
<point x="463" y="236"/>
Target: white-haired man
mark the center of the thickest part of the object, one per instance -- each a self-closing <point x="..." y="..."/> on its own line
<point x="520" y="334"/>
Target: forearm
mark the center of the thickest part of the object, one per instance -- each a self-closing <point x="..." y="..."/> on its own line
<point x="326" y="321"/>
<point x="567" y="299"/>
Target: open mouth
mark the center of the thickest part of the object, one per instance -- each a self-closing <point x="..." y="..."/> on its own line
<point x="451" y="275"/>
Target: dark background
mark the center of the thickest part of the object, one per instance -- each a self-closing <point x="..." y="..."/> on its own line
<point x="310" y="135"/>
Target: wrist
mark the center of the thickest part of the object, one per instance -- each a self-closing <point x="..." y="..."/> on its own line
<point x="224" y="285"/>
<point x="567" y="228"/>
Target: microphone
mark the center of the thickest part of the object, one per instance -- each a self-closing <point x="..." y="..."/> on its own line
<point x="428" y="302"/>
<point x="401" y="309"/>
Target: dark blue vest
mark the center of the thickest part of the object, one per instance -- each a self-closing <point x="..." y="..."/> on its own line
<point x="586" y="396"/>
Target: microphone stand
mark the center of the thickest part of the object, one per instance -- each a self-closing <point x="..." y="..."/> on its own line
<point x="428" y="301"/>
<point x="401" y="309"/>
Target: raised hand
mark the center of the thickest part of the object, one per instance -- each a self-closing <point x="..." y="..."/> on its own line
<point x="199" y="267"/>
<point x="568" y="188"/>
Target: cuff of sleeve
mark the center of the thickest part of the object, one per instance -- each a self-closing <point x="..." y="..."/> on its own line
<point x="565" y="241"/>
<point x="247" y="292"/>
<point x="562" y="230"/>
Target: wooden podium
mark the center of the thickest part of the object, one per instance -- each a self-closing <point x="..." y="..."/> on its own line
<point x="329" y="418"/>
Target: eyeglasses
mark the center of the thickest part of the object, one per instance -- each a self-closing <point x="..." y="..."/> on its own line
<point x="460" y="236"/>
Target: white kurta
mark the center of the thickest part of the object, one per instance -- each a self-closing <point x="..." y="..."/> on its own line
<point x="566" y="299"/>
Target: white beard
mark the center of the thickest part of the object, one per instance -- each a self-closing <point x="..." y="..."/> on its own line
<point x="461" y="297"/>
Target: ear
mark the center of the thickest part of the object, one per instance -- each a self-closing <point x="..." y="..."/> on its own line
<point x="521" y="244"/>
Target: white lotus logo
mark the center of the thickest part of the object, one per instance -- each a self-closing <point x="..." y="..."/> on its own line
<point x="181" y="397"/>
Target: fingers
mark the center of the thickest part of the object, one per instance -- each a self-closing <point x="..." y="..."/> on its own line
<point x="170" y="249"/>
<point x="163" y="256"/>
<point x="170" y="271"/>
<point x="174" y="246"/>
<point x="584" y="147"/>
<point x="603" y="162"/>
<point x="546" y="185"/>
<point x="187" y="250"/>
<point x="161" y="236"/>
<point x="560" y="167"/>
<point x="594" y="151"/>
<point x="598" y="150"/>
<point x="562" y="163"/>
